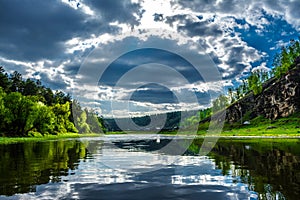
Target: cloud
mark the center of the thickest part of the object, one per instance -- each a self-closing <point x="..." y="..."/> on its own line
<point x="34" y="30"/>
<point x="226" y="48"/>
<point x="195" y="28"/>
<point x="56" y="82"/>
<point x="263" y="67"/>
<point x="158" y="17"/>
<point x="114" y="10"/>
<point x="252" y="11"/>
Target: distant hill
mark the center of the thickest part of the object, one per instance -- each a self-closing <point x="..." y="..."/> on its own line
<point x="142" y="123"/>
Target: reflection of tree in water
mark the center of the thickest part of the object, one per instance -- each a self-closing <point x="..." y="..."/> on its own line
<point x="25" y="165"/>
<point x="270" y="168"/>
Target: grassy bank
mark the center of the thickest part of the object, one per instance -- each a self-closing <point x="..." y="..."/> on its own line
<point x="260" y="126"/>
<point x="9" y="140"/>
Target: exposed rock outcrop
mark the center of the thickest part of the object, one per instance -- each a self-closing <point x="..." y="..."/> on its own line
<point x="279" y="98"/>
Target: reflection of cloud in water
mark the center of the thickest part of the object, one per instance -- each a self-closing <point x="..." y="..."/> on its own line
<point x="189" y="177"/>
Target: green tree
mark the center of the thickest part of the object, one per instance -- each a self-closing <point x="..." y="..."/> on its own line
<point x="238" y="92"/>
<point x="62" y="123"/>
<point x="283" y="61"/>
<point x="255" y="83"/>
<point x="245" y="87"/>
<point x="2" y="109"/>
<point x="82" y="124"/>
<point x="48" y="96"/>
<point x="230" y="93"/>
<point x="220" y="103"/>
<point x="30" y="88"/>
<point x="4" y="80"/>
<point x="17" y="112"/>
<point x="42" y="119"/>
<point x="94" y="122"/>
<point x="16" y="82"/>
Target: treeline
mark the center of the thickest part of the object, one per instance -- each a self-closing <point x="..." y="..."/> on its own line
<point x="27" y="107"/>
<point x="282" y="63"/>
<point x="143" y="122"/>
<point x="173" y="121"/>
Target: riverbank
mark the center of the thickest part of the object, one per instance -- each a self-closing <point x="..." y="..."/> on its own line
<point x="223" y="136"/>
<point x="258" y="128"/>
<point x="9" y="140"/>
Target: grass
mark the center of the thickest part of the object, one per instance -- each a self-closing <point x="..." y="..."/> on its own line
<point x="260" y="126"/>
<point x="37" y="138"/>
<point x="115" y="132"/>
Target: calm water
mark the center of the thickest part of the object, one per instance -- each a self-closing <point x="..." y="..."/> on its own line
<point x="129" y="167"/>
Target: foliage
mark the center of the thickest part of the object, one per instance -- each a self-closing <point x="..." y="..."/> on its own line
<point x="205" y="113"/>
<point x="43" y="119"/>
<point x="62" y="123"/>
<point x="283" y="61"/>
<point x="255" y="83"/>
<point x="191" y="122"/>
<point x="28" y="108"/>
<point x="220" y="103"/>
<point x="86" y="120"/>
<point x="17" y="110"/>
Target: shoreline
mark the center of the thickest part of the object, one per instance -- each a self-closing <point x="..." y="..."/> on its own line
<point x="11" y="140"/>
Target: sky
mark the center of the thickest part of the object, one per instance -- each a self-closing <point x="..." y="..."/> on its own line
<point x="131" y="57"/>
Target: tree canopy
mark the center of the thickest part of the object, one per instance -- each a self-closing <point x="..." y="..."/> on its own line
<point x="27" y="107"/>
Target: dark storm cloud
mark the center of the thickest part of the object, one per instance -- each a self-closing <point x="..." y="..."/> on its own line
<point x="32" y="30"/>
<point x="55" y="82"/>
<point x="154" y="94"/>
<point x="11" y="67"/>
<point x="149" y="55"/>
<point x="72" y="69"/>
<point x="195" y="28"/>
<point x="157" y="94"/>
<point x="116" y="10"/>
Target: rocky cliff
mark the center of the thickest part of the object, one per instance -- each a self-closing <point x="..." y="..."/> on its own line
<point x="279" y="98"/>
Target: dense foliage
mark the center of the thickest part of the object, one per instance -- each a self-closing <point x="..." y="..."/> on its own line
<point x="28" y="108"/>
<point x="284" y="60"/>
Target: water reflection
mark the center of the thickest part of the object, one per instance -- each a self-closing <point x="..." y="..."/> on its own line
<point x="117" y="167"/>
<point x="272" y="168"/>
<point x="25" y="165"/>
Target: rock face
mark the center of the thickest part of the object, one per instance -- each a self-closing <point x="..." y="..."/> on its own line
<point x="279" y="98"/>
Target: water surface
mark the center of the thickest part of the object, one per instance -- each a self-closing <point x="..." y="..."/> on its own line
<point x="131" y="167"/>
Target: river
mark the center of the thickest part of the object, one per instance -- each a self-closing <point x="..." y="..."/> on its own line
<point x="132" y="167"/>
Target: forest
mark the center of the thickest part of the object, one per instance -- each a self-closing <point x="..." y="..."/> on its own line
<point x="27" y="108"/>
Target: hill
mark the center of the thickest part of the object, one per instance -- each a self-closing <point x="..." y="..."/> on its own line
<point x="280" y="97"/>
